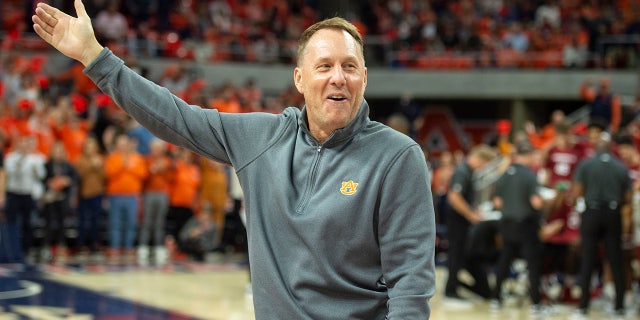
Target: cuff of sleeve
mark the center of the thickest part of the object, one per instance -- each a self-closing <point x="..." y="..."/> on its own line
<point x="102" y="65"/>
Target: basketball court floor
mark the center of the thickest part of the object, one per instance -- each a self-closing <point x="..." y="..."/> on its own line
<point x="213" y="290"/>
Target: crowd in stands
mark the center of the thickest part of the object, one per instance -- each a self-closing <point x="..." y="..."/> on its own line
<point x="74" y="161"/>
<point x="409" y="34"/>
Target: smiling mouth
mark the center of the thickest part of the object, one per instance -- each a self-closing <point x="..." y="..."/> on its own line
<point x="337" y="98"/>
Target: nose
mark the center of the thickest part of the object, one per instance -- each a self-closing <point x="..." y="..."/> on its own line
<point x="338" y="76"/>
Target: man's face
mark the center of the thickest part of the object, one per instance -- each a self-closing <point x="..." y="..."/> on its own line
<point x="476" y="162"/>
<point x="332" y="77"/>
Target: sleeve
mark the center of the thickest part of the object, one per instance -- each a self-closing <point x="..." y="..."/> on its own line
<point x="406" y="235"/>
<point x="459" y="181"/>
<point x="533" y="186"/>
<point x="498" y="191"/>
<point x="40" y="171"/>
<point x="234" y="139"/>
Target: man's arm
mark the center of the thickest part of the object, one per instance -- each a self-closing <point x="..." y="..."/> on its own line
<point x="406" y="233"/>
<point x="73" y="37"/>
<point x="616" y="113"/>
<point x="461" y="206"/>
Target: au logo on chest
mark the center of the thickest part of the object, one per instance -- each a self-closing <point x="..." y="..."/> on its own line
<point x="349" y="187"/>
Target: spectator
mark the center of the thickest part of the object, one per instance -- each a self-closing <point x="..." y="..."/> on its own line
<point x="174" y="79"/>
<point x="544" y="138"/>
<point x="155" y="204"/>
<point x="548" y="14"/>
<point x="249" y="93"/>
<point x="183" y="193"/>
<point x="141" y="135"/>
<point x="110" y="24"/>
<point x="574" y="54"/>
<point x="25" y="169"/>
<point x="80" y="83"/>
<point x="441" y="181"/>
<point x="603" y="104"/>
<point x="227" y="101"/>
<point x="214" y="191"/>
<point x="125" y="171"/>
<point x="92" y="187"/>
<point x="73" y="132"/>
<point x="516" y="38"/>
<point x="198" y="236"/>
<point x="60" y="198"/>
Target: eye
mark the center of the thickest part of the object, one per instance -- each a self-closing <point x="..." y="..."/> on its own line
<point x="350" y="67"/>
<point x="324" y="66"/>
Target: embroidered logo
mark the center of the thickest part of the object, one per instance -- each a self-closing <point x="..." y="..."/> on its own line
<point x="349" y="188"/>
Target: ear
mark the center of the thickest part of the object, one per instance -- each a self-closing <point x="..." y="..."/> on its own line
<point x="297" y="79"/>
<point x="364" y="83"/>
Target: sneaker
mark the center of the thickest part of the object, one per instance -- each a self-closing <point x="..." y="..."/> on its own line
<point x="537" y="311"/>
<point x="554" y="291"/>
<point x="576" y="292"/>
<point x="456" y="302"/>
<point x="619" y="314"/>
<point x="161" y="255"/>
<point x="578" y="314"/>
<point x="495" y="305"/>
<point x="143" y="255"/>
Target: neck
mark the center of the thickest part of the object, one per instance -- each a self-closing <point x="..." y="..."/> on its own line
<point x="320" y="135"/>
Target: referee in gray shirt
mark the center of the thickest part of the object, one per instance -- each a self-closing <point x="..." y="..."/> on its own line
<point x="516" y="196"/>
<point x="604" y="183"/>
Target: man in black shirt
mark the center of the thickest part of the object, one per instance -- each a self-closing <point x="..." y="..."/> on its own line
<point x="461" y="214"/>
<point x="604" y="183"/>
<point x="517" y="197"/>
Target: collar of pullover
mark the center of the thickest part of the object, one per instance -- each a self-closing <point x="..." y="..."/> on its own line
<point x="342" y="134"/>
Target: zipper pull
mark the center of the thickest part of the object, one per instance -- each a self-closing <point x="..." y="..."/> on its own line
<point x="319" y="149"/>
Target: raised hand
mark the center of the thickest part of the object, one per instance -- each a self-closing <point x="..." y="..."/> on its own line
<point x="72" y="36"/>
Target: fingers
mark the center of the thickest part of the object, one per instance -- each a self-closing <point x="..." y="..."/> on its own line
<point x="47" y="12"/>
<point x="41" y="27"/>
<point x="81" y="12"/>
<point x="46" y="36"/>
<point x="45" y="17"/>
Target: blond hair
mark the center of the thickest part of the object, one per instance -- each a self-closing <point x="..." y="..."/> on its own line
<point x="331" y="23"/>
<point x="483" y="152"/>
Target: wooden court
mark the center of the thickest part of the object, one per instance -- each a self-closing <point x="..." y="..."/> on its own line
<point x="213" y="290"/>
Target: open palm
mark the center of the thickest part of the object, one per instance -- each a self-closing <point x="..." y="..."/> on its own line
<point x="72" y="36"/>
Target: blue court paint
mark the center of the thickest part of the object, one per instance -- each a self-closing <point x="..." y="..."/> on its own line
<point x="27" y="295"/>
